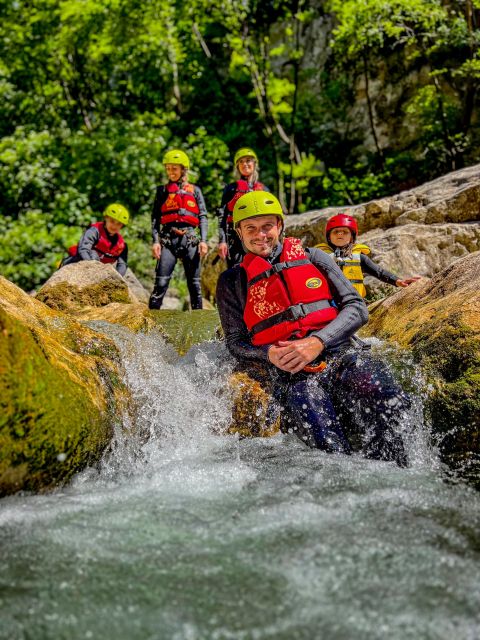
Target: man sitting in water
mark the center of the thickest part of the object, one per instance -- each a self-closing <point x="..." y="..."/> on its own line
<point x="293" y="309"/>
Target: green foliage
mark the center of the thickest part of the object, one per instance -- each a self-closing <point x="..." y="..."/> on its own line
<point x="92" y="94"/>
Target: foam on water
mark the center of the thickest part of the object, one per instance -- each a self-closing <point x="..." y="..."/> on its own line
<point x="184" y="532"/>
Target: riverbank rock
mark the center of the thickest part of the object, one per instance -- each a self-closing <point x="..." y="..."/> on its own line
<point x="60" y="393"/>
<point x="439" y="320"/>
<point x="415" y="249"/>
<point x="90" y="284"/>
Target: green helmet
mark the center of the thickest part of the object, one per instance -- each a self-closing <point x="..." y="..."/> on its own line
<point x="117" y="212"/>
<point x="176" y="156"/>
<point x="256" y="203"/>
<point x="242" y="153"/>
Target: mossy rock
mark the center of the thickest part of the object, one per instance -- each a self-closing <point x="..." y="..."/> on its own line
<point x="439" y="321"/>
<point x="61" y="393"/>
<point x="254" y="413"/>
<point x="85" y="284"/>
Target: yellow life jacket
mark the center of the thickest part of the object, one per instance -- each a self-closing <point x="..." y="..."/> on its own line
<point x="351" y="267"/>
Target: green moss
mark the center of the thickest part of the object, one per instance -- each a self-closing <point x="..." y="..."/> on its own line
<point x="49" y="426"/>
<point x="183" y="329"/>
<point x="450" y="355"/>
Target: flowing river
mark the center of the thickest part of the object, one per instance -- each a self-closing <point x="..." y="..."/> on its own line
<point x="183" y="533"/>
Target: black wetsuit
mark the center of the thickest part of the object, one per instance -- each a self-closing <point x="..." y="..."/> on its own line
<point x="355" y="395"/>
<point x="179" y="242"/>
<point x="226" y="232"/>
<point x="86" y="250"/>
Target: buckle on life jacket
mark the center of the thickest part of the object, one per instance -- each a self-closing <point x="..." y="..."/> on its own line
<point x="297" y="311"/>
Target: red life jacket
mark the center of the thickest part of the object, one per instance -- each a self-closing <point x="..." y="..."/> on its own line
<point x="109" y="250"/>
<point x="242" y="187"/>
<point x="287" y="299"/>
<point x="180" y="205"/>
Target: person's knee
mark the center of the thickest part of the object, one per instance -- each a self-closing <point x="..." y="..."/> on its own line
<point x="161" y="282"/>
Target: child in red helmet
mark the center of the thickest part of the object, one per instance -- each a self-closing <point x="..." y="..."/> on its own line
<point x="341" y="234"/>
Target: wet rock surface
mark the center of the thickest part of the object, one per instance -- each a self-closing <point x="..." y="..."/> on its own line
<point x="60" y="393"/>
<point x="438" y="319"/>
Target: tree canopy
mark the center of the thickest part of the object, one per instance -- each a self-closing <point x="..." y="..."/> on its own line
<point x="343" y="100"/>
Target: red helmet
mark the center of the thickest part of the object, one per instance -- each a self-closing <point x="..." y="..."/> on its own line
<point x="341" y="220"/>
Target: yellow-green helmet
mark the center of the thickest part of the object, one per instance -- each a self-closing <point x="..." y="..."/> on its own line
<point x="242" y="153"/>
<point x="117" y="212"/>
<point x="256" y="203"/>
<point x="176" y="156"/>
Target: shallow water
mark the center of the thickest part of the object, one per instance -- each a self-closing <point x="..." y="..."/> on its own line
<point x="183" y="533"/>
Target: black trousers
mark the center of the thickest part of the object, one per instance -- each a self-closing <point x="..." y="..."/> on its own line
<point x="355" y="399"/>
<point x="177" y="248"/>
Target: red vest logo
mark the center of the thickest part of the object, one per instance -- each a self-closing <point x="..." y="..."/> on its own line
<point x="313" y="283"/>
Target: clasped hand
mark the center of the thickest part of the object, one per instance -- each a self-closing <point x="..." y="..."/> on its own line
<point x="294" y="355"/>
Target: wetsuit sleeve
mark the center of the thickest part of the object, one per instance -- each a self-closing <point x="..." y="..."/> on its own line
<point x="122" y="262"/>
<point x="228" y="194"/>
<point x="368" y="266"/>
<point x="85" y="249"/>
<point x="352" y="311"/>
<point x="202" y="214"/>
<point x="231" y="297"/>
<point x="160" y="197"/>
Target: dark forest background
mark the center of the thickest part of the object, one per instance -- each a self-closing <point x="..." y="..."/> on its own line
<point x="343" y="100"/>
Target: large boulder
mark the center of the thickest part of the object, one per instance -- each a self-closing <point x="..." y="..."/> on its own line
<point x="438" y="319"/>
<point x="60" y="393"/>
<point x="89" y="284"/>
<point x="416" y="249"/>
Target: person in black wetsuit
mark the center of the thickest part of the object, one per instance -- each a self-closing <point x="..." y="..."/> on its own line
<point x="246" y="173"/>
<point x="178" y="211"/>
<point x="341" y="234"/>
<point x="102" y="241"/>
<point x="293" y="310"/>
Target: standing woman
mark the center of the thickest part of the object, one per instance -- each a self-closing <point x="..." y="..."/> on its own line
<point x="179" y="209"/>
<point x="246" y="174"/>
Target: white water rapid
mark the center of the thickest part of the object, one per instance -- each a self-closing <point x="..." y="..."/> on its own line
<point x="184" y="533"/>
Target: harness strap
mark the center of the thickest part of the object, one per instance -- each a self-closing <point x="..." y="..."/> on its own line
<point x="295" y="312"/>
<point x="356" y="281"/>
<point x="277" y="268"/>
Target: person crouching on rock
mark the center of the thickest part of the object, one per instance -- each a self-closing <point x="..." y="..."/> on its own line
<point x="179" y="209"/>
<point x="103" y="242"/>
<point x="352" y="258"/>
<point x="293" y="310"/>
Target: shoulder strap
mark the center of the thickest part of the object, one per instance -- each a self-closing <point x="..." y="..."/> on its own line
<point x="324" y="247"/>
<point x="277" y="268"/>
